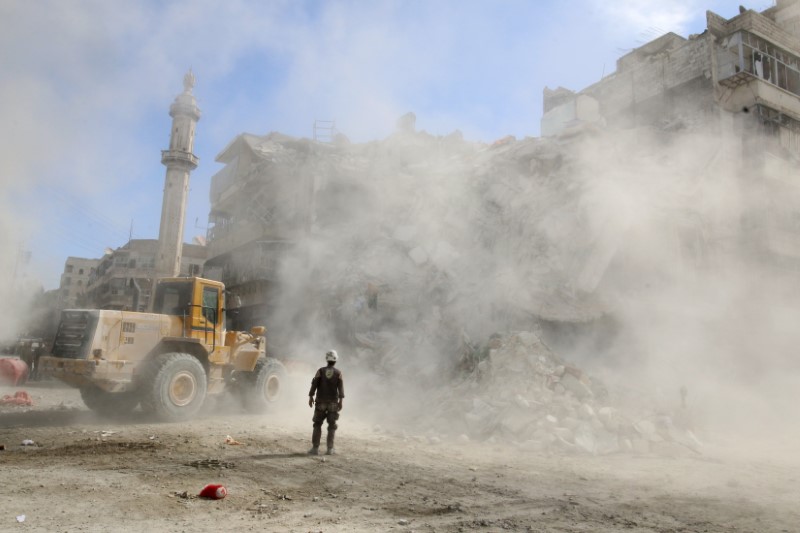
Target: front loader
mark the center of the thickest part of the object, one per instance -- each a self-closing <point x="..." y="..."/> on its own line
<point x="168" y="360"/>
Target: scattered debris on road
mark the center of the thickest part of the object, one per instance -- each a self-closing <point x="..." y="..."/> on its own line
<point x="20" y="398"/>
<point x="233" y="442"/>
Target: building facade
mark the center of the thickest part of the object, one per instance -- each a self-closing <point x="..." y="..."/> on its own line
<point x="746" y="65"/>
<point x="123" y="278"/>
<point x="75" y="282"/>
<point x="739" y="83"/>
<point x="262" y="204"/>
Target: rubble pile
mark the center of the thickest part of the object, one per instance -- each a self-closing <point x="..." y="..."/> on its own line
<point x="518" y="391"/>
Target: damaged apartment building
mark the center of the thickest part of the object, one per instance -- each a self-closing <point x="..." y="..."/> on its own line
<point x="381" y="239"/>
<point x="300" y="227"/>
<point x="749" y="64"/>
<point x="739" y="80"/>
<point x="420" y="241"/>
<point x="122" y="278"/>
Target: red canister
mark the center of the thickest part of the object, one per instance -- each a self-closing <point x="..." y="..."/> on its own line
<point x="213" y="491"/>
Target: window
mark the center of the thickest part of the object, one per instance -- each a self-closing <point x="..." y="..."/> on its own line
<point x="80" y="272"/>
<point x="194" y="269"/>
<point x="210" y="303"/>
<point x="762" y="59"/>
<point x="68" y="269"/>
<point x="173" y="298"/>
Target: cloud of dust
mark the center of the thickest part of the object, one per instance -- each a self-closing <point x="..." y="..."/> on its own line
<point x="419" y="243"/>
<point x="699" y="282"/>
<point x="673" y="233"/>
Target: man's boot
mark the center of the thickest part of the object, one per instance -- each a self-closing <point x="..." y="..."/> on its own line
<point x="316" y="436"/>
<point x="331" y="449"/>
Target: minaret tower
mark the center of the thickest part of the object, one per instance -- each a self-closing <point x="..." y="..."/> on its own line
<point x="180" y="161"/>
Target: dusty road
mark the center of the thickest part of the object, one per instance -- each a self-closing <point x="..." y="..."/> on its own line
<point x="87" y="474"/>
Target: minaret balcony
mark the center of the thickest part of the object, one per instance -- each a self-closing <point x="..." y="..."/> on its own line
<point x="170" y="157"/>
<point x="184" y="106"/>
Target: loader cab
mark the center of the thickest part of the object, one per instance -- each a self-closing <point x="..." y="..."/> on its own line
<point x="173" y="297"/>
<point x="198" y="301"/>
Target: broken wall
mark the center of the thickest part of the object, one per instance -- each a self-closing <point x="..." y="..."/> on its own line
<point x="664" y="84"/>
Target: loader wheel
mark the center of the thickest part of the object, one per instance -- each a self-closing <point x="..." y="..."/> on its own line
<point x="109" y="403"/>
<point x="262" y="388"/>
<point x="173" y="386"/>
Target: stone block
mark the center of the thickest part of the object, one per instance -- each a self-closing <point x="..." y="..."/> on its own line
<point x="577" y="387"/>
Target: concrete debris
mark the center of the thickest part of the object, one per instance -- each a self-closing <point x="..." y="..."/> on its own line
<point x="524" y="394"/>
<point x="575" y="386"/>
<point x="20" y="398"/>
<point x="211" y="463"/>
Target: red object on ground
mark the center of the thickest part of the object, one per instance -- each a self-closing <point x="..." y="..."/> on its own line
<point x="213" y="491"/>
<point x="13" y="371"/>
<point x="20" y="398"/>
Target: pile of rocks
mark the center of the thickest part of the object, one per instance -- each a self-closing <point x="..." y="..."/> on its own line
<point x="522" y="393"/>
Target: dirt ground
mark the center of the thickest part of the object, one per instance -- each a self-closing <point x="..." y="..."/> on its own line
<point x="89" y="474"/>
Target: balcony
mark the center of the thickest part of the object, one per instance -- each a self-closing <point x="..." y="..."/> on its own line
<point x="770" y="73"/>
<point x="186" y="159"/>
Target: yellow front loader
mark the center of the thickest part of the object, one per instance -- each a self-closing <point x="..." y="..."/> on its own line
<point x="168" y="360"/>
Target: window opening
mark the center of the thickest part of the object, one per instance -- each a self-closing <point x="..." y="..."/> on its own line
<point x="764" y="60"/>
<point x="210" y="303"/>
<point x="173" y="298"/>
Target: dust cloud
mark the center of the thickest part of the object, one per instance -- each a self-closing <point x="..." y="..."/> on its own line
<point x="641" y="256"/>
<point x="644" y="257"/>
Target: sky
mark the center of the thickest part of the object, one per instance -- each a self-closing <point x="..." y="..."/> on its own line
<point x="86" y="85"/>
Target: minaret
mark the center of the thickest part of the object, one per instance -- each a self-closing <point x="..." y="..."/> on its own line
<point x="180" y="161"/>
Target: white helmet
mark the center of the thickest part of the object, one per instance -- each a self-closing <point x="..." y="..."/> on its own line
<point x="331" y="356"/>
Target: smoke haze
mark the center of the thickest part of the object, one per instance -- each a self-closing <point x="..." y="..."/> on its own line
<point x="640" y="255"/>
<point x="458" y="236"/>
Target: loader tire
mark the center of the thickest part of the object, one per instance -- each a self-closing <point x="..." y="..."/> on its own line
<point x="173" y="386"/>
<point x="109" y="403"/>
<point x="262" y="389"/>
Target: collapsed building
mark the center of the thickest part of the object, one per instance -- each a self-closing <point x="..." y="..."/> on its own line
<point x="413" y="250"/>
<point x="384" y="235"/>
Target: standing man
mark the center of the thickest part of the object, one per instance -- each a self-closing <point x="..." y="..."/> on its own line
<point x="329" y="388"/>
